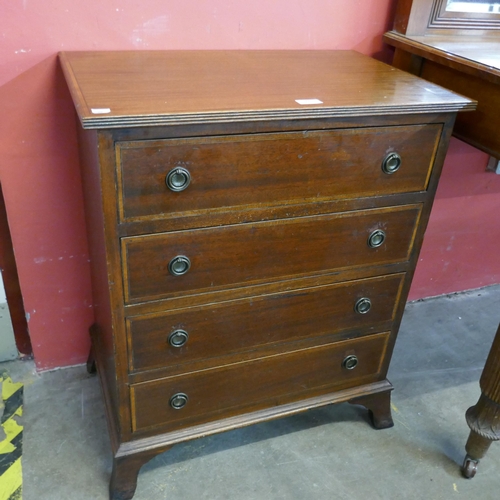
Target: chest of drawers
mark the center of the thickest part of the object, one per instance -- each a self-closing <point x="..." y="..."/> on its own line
<point x="251" y="252"/>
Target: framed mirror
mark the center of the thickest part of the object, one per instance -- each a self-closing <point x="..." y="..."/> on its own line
<point x="479" y="14"/>
<point x="472" y="6"/>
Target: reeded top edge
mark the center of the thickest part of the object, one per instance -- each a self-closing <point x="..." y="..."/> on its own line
<point x="152" y="88"/>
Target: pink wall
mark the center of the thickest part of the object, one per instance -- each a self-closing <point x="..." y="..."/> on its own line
<point x="38" y="152"/>
<point x="460" y="249"/>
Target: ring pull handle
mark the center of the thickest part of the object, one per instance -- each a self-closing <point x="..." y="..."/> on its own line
<point x="178" y="401"/>
<point x="179" y="265"/>
<point x="350" y="362"/>
<point x="363" y="305"/>
<point x="376" y="238"/>
<point x="391" y="163"/>
<point x="178" y="179"/>
<point x="178" y="338"/>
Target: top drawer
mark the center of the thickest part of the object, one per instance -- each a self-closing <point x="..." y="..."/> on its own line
<point x="270" y="169"/>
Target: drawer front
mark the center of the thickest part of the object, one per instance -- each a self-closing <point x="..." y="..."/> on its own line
<point x="210" y="331"/>
<point x="242" y="387"/>
<point x="293" y="167"/>
<point x="224" y="257"/>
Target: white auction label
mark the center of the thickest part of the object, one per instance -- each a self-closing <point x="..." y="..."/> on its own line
<point x="100" y="111"/>
<point x="304" y="102"/>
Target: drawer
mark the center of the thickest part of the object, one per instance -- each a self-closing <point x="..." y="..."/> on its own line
<point x="200" y="333"/>
<point x="243" y="387"/>
<point x="271" y="169"/>
<point x="229" y="256"/>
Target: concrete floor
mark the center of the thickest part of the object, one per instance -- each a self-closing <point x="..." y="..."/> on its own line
<point x="329" y="453"/>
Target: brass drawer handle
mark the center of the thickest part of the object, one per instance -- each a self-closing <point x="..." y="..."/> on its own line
<point x="178" y="401"/>
<point x="179" y="265"/>
<point x="350" y="362"/>
<point x="178" y="179"/>
<point x="178" y="338"/>
<point x="363" y="305"/>
<point x="391" y="163"/>
<point x="376" y="238"/>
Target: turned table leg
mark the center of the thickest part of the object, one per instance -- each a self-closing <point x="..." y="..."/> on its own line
<point x="484" y="418"/>
<point x="123" y="481"/>
<point x="379" y="407"/>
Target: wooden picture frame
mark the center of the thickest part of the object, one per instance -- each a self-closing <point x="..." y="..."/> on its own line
<point x="442" y="18"/>
<point x="429" y="17"/>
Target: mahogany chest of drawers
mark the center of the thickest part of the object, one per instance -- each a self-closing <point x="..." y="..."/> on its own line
<point x="254" y="220"/>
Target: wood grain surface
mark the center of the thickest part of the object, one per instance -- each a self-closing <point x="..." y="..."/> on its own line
<point x="238" y="255"/>
<point x="272" y="169"/>
<point x="171" y="87"/>
<point x="471" y="55"/>
<point x="469" y="65"/>
<point x="228" y="390"/>
<point x="242" y="325"/>
<point x="276" y="221"/>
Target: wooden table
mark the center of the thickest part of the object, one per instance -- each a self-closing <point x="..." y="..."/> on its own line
<point x="484" y="418"/>
<point x="468" y="65"/>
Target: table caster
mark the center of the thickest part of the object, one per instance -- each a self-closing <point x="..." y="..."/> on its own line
<point x="469" y="468"/>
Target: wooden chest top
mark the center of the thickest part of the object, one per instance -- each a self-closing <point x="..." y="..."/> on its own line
<point x="124" y="89"/>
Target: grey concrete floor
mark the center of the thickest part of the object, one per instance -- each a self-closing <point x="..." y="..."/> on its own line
<point x="328" y="453"/>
